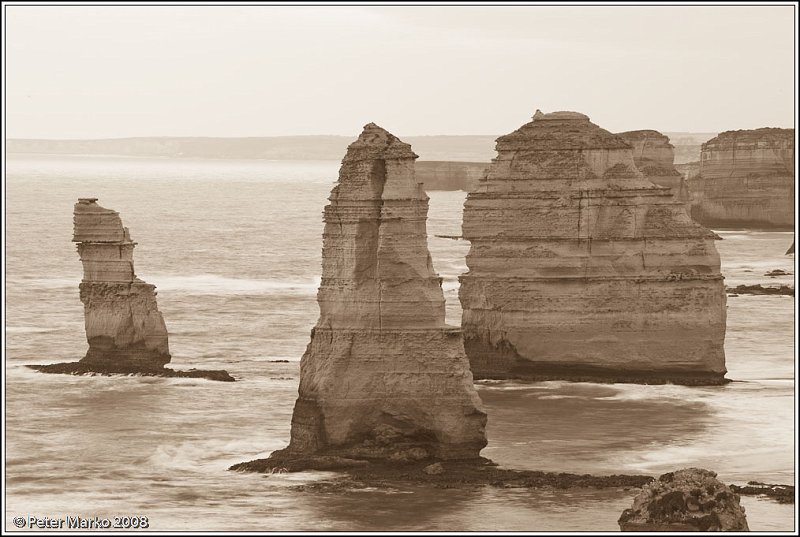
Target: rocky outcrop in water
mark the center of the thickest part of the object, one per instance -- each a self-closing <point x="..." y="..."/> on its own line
<point x="746" y="180"/>
<point x="383" y="378"/>
<point x="687" y="500"/>
<point x="125" y="330"/>
<point x="581" y="269"/>
<point x="759" y="289"/>
<point x="779" y="493"/>
<point x="654" y="156"/>
<point x="446" y="175"/>
<point x="791" y="249"/>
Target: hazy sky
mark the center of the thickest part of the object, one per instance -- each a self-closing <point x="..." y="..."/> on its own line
<point x="110" y="71"/>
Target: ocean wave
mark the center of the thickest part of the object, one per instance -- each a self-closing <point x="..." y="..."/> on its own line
<point x="29" y="330"/>
<point x="213" y="284"/>
<point x="202" y="456"/>
<point x="450" y="285"/>
<point x="43" y="283"/>
<point x="196" y="284"/>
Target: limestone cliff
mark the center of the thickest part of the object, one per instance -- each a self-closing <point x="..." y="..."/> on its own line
<point x="448" y="175"/>
<point x="746" y="180"/>
<point x="383" y="376"/>
<point x="125" y="330"/>
<point x="654" y="156"/>
<point x="580" y="268"/>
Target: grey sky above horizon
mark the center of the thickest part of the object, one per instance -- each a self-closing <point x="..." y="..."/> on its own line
<point x="119" y="71"/>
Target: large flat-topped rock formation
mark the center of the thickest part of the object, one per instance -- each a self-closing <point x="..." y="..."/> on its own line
<point x="384" y="378"/>
<point x="580" y="268"/>
<point x="654" y="156"/>
<point x="125" y="330"/>
<point x="746" y="180"/>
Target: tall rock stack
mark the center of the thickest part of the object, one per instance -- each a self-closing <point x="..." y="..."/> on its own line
<point x="580" y="268"/>
<point x="124" y="328"/>
<point x="654" y="156"/>
<point x="746" y="180"/>
<point x="384" y="377"/>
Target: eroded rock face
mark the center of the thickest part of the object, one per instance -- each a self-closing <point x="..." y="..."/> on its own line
<point x="383" y="376"/>
<point x="654" y="156"/>
<point x="746" y="180"/>
<point x="125" y="330"/>
<point x="123" y="324"/>
<point x="580" y="268"/>
<point x="687" y="500"/>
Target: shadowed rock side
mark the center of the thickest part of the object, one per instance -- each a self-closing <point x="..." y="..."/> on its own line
<point x="125" y="330"/>
<point x="581" y="269"/>
<point x="746" y="180"/>
<point x="687" y="500"/>
<point x="383" y="377"/>
<point x="654" y="156"/>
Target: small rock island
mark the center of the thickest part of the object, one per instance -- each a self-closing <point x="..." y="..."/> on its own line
<point x="125" y="330"/>
<point x="692" y="499"/>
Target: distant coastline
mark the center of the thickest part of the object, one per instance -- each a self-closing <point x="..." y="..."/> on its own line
<point x="465" y="148"/>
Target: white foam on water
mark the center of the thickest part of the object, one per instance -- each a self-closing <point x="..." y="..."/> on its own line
<point x="211" y="455"/>
<point x="203" y="284"/>
<point x="450" y="285"/>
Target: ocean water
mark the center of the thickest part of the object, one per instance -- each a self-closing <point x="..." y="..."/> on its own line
<point x="234" y="250"/>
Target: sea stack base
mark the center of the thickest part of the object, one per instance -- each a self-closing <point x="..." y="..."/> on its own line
<point x="500" y="362"/>
<point x="459" y="473"/>
<point x="79" y="368"/>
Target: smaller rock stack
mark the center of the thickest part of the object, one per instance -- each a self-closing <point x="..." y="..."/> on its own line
<point x="654" y="156"/>
<point x="687" y="500"/>
<point x="746" y="181"/>
<point x="123" y="325"/>
<point x="125" y="330"/>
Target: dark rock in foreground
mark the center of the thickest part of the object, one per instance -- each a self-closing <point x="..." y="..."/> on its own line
<point x="692" y="499"/>
<point x="440" y="473"/>
<point x="779" y="493"/>
<point x="758" y="289"/>
<point x="80" y="368"/>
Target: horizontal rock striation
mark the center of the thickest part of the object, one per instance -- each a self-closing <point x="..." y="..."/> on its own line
<point x="746" y="180"/>
<point x="654" y="156"/>
<point x="125" y="330"/>
<point x="383" y="378"/>
<point x="446" y="175"/>
<point x="581" y="269"/>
